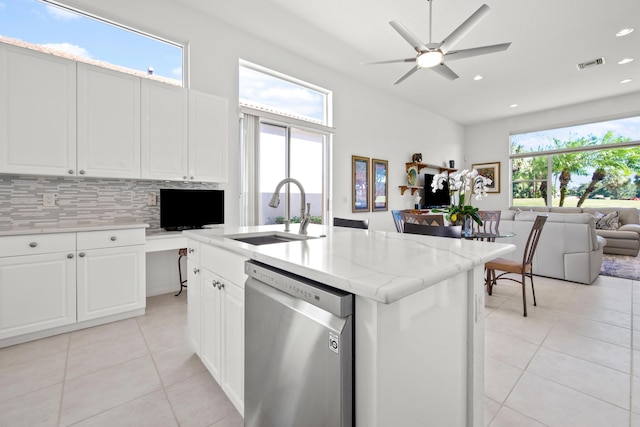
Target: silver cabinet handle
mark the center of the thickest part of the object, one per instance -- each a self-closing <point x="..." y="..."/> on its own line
<point x="191" y="177"/>
<point x="196" y="270"/>
<point x="81" y="254"/>
<point x="70" y="171"/>
<point x="113" y="238"/>
<point x="191" y="250"/>
<point x="33" y="244"/>
<point x="82" y="172"/>
<point x="214" y="283"/>
<point x="70" y="256"/>
<point x="184" y="177"/>
<point x="220" y="285"/>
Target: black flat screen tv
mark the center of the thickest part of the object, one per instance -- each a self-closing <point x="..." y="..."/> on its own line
<point x="438" y="199"/>
<point x="187" y="209"/>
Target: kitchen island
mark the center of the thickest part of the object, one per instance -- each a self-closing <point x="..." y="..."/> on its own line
<point x="419" y="323"/>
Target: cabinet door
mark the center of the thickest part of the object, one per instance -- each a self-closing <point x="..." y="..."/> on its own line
<point x="208" y="137"/>
<point x="164" y="131"/>
<point x="194" y="297"/>
<point x="233" y="343"/>
<point x="37" y="292"/>
<point x="110" y="281"/>
<point x="211" y="324"/>
<point x="108" y="123"/>
<point x="37" y="112"/>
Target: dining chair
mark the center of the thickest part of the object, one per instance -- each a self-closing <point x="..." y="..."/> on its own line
<point x="398" y="220"/>
<point x="524" y="268"/>
<point x="453" y="231"/>
<point x="351" y="223"/>
<point x="423" y="219"/>
<point x="490" y="223"/>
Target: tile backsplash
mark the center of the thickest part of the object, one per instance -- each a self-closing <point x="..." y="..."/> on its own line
<point x="81" y="200"/>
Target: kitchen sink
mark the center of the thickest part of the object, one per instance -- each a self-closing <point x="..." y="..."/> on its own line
<point x="268" y="237"/>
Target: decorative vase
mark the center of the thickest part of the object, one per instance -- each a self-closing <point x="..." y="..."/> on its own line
<point x="467" y="228"/>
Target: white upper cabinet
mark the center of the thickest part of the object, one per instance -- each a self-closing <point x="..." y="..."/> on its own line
<point x="67" y="118"/>
<point x="37" y="112"/>
<point x="164" y="131"/>
<point x="108" y="123"/>
<point x="208" y="137"/>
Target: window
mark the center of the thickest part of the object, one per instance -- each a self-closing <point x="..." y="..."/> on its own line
<point x="284" y="136"/>
<point x="269" y="91"/>
<point x="589" y="165"/>
<point x="49" y="27"/>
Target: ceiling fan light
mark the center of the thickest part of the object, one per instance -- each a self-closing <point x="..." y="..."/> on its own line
<point x="430" y="59"/>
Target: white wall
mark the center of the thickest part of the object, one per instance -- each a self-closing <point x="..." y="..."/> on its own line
<point x="489" y="142"/>
<point x="368" y="123"/>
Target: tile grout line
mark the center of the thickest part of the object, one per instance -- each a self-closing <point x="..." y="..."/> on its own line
<point x="155" y="366"/>
<point x="64" y="380"/>
<point x="555" y="321"/>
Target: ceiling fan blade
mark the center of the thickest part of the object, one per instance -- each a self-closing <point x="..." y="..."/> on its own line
<point x="468" y="53"/>
<point x="444" y="71"/>
<point x="463" y="29"/>
<point x="409" y="36"/>
<point x="390" y="61"/>
<point x="405" y="75"/>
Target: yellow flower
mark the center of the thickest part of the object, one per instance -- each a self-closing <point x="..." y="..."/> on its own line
<point x="454" y="217"/>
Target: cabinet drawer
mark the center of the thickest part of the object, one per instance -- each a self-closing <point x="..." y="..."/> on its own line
<point x="110" y="238"/>
<point x="227" y="265"/>
<point x="34" y="244"/>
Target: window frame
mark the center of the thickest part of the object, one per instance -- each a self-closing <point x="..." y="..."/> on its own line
<point x="549" y="154"/>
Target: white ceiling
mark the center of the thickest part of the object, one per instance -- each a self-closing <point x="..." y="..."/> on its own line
<point x="538" y="71"/>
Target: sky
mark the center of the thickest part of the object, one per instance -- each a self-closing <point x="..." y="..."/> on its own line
<point x="40" y="23"/>
<point x="264" y="90"/>
<point x="628" y="127"/>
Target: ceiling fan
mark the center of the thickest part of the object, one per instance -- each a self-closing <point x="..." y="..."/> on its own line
<point x="433" y="55"/>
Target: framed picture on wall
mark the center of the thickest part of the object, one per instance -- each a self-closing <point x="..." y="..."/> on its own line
<point x="491" y="171"/>
<point x="380" y="188"/>
<point x="360" y="183"/>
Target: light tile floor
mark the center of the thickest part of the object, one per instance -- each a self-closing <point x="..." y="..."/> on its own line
<point x="136" y="372"/>
<point x="574" y="361"/>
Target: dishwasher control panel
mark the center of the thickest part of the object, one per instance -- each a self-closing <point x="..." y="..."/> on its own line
<point x="333" y="300"/>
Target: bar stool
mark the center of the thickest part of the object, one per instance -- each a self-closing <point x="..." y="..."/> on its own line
<point x="181" y="252"/>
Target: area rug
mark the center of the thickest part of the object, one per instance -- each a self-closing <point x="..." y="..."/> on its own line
<point x="626" y="267"/>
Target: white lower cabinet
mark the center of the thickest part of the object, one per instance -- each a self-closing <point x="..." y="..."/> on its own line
<point x="53" y="280"/>
<point x="37" y="292"/>
<point x="221" y="308"/>
<point x="194" y="290"/>
<point x="111" y="276"/>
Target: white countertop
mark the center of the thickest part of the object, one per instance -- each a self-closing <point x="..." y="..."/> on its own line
<point x="68" y="228"/>
<point x="383" y="266"/>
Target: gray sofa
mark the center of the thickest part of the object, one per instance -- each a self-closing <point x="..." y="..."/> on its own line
<point x="569" y="247"/>
<point x="623" y="241"/>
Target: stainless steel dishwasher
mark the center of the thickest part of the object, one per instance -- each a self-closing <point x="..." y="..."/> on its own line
<point x="298" y="351"/>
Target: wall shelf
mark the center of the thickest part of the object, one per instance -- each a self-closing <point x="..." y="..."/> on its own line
<point x="420" y="166"/>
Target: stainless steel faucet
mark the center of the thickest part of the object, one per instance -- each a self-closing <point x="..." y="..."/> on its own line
<point x="304" y="216"/>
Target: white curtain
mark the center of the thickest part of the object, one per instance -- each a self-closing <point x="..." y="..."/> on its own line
<point x="250" y="169"/>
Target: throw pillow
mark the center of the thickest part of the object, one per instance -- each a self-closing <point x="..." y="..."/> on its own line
<point x="608" y="222"/>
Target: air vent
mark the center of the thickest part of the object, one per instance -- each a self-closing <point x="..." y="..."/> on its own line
<point x="589" y="64"/>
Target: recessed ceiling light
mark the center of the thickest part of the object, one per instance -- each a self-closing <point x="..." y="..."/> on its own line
<point x="625" y="81"/>
<point x="625" y="61"/>
<point x="624" y="32"/>
<point x="478" y="77"/>
<point x="513" y="105"/>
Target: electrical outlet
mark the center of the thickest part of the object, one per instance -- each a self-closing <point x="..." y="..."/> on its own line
<point x="152" y="199"/>
<point x="50" y="199"/>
